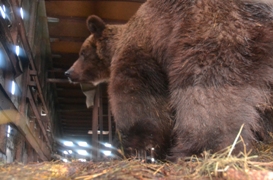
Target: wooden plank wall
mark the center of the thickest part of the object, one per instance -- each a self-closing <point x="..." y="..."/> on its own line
<point x="33" y="139"/>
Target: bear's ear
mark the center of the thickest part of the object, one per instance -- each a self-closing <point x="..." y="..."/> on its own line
<point x="95" y="25"/>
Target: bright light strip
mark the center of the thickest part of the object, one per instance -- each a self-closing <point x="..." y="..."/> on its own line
<point x="2" y="61"/>
<point x="17" y="50"/>
<point x="68" y="143"/>
<point x="13" y="88"/>
<point x="107" y="145"/>
<point x="65" y="152"/>
<point x="9" y="129"/>
<point x="107" y="153"/>
<point x="22" y="13"/>
<point x="2" y="10"/>
<point x="82" y="144"/>
<point x="82" y="152"/>
<point x="70" y="151"/>
<point x="52" y="19"/>
<point x="153" y="159"/>
<point x="65" y="160"/>
<point x="103" y="132"/>
<point x="82" y="160"/>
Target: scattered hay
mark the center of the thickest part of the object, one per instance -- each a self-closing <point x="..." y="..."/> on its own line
<point x="247" y="166"/>
<point x="257" y="165"/>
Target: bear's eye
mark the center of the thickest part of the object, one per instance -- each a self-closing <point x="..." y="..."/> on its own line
<point x="82" y="53"/>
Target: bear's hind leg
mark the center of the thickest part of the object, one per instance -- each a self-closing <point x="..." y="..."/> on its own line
<point x="210" y="118"/>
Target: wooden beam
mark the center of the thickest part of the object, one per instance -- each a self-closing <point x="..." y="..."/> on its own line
<point x="3" y="139"/>
<point x="33" y="73"/>
<point x="22" y="32"/>
<point x="6" y="41"/>
<point x="66" y="47"/>
<point x="75" y="115"/>
<point x="68" y="38"/>
<point x="38" y="116"/>
<point x="53" y="80"/>
<point x="18" y="149"/>
<point x="30" y="153"/>
<point x="85" y="129"/>
<point x="58" y="70"/>
<point x="71" y="110"/>
<point x="83" y="113"/>
<point x="9" y="113"/>
<point x="76" y="124"/>
<point x="20" y="25"/>
<point x="81" y="21"/>
<point x="78" y="119"/>
<point x="73" y="106"/>
<point x="71" y="101"/>
<point x="75" y="131"/>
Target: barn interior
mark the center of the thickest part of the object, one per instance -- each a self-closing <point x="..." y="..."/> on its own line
<point x="42" y="115"/>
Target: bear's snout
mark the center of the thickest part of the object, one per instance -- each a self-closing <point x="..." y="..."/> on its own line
<point x="67" y="73"/>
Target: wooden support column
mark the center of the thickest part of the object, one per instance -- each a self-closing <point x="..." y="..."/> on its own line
<point x="95" y="118"/>
<point x="3" y="138"/>
<point x="33" y="72"/>
<point x="18" y="147"/>
<point x="100" y="118"/>
<point x="9" y="113"/>
<point x="110" y="124"/>
<point x="24" y="89"/>
<point x="30" y="153"/>
<point x="37" y="114"/>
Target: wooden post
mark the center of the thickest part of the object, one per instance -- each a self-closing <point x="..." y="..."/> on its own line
<point x="18" y="147"/>
<point x="30" y="153"/>
<point x="95" y="119"/>
<point x="100" y="119"/>
<point x="109" y="124"/>
<point x="3" y="138"/>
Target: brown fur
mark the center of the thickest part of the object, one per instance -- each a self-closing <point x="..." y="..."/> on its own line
<point x="139" y="94"/>
<point x="215" y="59"/>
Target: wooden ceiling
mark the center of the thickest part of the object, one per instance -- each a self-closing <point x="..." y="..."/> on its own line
<point x="66" y="36"/>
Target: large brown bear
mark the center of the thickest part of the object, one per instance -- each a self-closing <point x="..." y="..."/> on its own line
<point x="139" y="96"/>
<point x="210" y="60"/>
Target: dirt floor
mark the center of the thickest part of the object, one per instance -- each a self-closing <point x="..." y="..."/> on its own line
<point x="257" y="165"/>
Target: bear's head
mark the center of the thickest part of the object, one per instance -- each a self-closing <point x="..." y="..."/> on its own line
<point x="93" y="64"/>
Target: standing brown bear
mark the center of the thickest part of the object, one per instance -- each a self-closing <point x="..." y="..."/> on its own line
<point x="139" y="94"/>
<point x="210" y="60"/>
